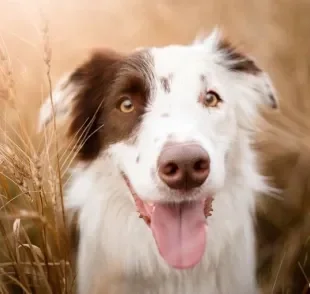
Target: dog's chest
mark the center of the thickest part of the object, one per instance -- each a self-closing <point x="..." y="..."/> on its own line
<point x="220" y="271"/>
<point x="125" y="253"/>
<point x="204" y="279"/>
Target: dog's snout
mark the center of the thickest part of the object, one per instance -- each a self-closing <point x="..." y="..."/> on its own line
<point x="183" y="166"/>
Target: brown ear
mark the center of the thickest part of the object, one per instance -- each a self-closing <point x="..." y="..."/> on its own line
<point x="94" y="79"/>
<point x="238" y="61"/>
<point x="79" y="97"/>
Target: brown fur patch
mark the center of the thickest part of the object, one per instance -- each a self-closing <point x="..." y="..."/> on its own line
<point x="103" y="81"/>
<point x="239" y="61"/>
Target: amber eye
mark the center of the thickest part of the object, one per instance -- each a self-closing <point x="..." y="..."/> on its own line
<point x="211" y="99"/>
<point x="126" y="105"/>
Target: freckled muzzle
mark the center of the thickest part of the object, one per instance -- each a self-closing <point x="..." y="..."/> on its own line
<point x="179" y="228"/>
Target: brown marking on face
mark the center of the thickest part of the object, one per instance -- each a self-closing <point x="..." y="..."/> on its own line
<point x="240" y="61"/>
<point x="165" y="83"/>
<point x="103" y="81"/>
<point x="202" y="78"/>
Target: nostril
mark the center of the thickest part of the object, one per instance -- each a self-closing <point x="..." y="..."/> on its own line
<point x="201" y="165"/>
<point x="183" y="166"/>
<point x="170" y="169"/>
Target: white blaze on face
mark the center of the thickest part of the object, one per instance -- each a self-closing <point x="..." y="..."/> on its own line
<point x="178" y="229"/>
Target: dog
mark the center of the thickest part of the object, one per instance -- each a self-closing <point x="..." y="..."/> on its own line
<point x="166" y="176"/>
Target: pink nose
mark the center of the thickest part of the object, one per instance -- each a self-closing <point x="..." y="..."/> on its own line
<point x="183" y="166"/>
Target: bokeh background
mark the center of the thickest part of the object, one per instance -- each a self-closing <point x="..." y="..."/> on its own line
<point x="41" y="40"/>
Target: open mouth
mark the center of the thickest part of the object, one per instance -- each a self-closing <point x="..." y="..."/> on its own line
<point x="179" y="229"/>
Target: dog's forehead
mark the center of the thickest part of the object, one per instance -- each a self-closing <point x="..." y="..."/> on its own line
<point x="178" y="60"/>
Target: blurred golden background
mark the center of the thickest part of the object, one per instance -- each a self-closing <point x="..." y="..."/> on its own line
<point x="42" y="39"/>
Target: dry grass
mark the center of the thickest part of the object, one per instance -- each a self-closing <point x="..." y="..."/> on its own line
<point x="41" y="40"/>
<point x="35" y="247"/>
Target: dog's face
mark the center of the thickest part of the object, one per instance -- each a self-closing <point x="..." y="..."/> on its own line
<point x="168" y="117"/>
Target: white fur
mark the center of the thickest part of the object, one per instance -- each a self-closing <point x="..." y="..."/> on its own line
<point x="62" y="99"/>
<point x="115" y="245"/>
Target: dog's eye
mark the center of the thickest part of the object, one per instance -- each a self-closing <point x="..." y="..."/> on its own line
<point x="210" y="99"/>
<point x="126" y="105"/>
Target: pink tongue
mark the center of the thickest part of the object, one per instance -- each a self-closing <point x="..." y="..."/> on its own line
<point x="180" y="233"/>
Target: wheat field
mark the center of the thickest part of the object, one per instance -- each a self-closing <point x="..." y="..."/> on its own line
<point x="40" y="40"/>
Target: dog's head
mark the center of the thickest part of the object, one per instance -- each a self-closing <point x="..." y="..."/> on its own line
<point x="170" y="119"/>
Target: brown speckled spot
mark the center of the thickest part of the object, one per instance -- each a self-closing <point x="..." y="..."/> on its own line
<point x="165" y="83"/>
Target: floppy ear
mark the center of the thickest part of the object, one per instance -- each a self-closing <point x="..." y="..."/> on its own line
<point x="62" y="96"/>
<point x="236" y="61"/>
<point x="78" y="97"/>
<point x="239" y="62"/>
